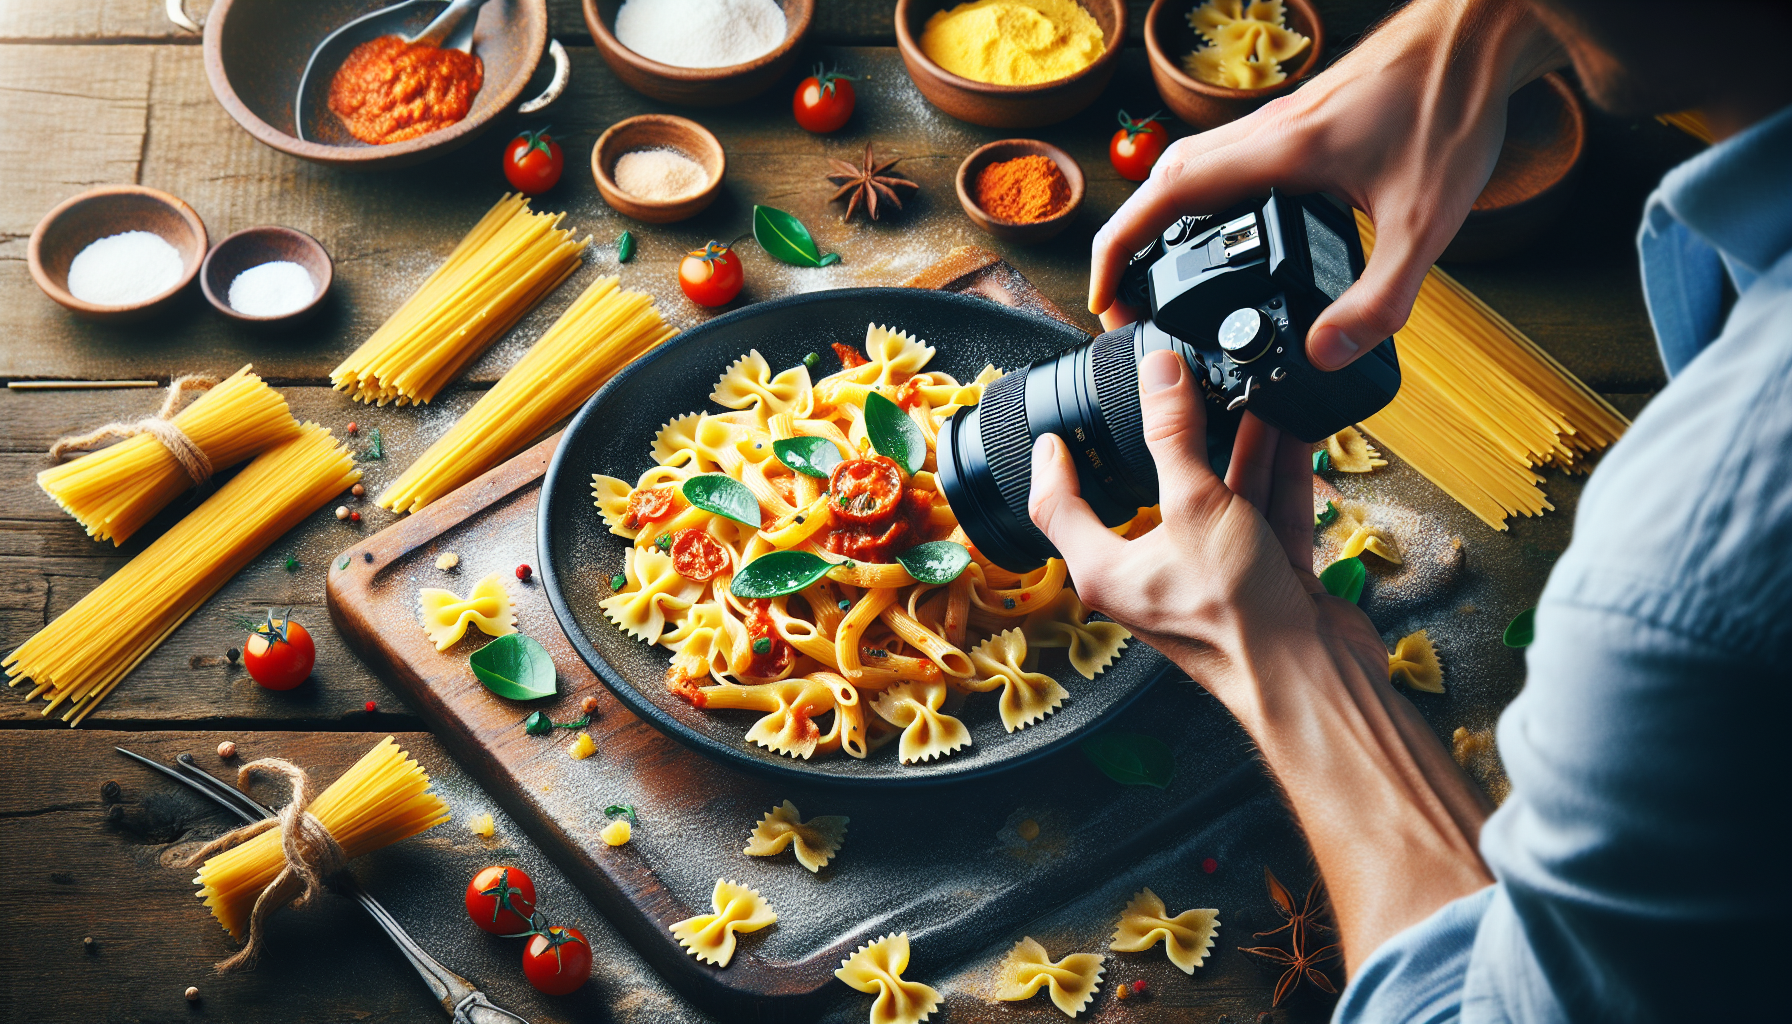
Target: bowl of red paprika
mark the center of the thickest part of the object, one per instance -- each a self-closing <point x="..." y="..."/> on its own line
<point x="1020" y="190"/>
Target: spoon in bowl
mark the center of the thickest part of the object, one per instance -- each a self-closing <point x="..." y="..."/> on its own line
<point x="452" y="29"/>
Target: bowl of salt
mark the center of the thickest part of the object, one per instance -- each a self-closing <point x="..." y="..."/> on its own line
<point x="117" y="253"/>
<point x="267" y="276"/>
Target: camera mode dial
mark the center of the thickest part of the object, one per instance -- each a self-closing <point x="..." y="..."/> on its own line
<point x="1246" y="334"/>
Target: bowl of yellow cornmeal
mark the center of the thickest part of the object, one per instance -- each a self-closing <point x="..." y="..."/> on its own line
<point x="1010" y="63"/>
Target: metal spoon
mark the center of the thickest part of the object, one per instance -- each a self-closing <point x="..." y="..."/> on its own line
<point x="452" y="29"/>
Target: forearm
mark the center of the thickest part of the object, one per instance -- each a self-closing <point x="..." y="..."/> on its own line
<point x="1392" y="820"/>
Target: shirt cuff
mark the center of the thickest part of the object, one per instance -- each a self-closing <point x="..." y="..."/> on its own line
<point x="1417" y="975"/>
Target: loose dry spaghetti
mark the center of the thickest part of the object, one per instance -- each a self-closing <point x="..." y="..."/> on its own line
<point x="83" y="654"/>
<point x="114" y="491"/>
<point x="602" y="332"/>
<point x="1481" y="407"/>
<point x="510" y="259"/>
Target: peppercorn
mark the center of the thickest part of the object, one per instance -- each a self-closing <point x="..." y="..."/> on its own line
<point x="88" y="944"/>
<point x="1008" y="602"/>
<point x="1210" y="865"/>
<point x="342" y="511"/>
<point x="354" y="517"/>
<point x="1123" y="993"/>
<point x="588" y="705"/>
<point x="352" y="428"/>
<point x="233" y="654"/>
<point x="372" y="707"/>
<point x="358" y="490"/>
<point x="192" y="993"/>
<point x="367" y="556"/>
<point x="110" y="792"/>
<point x="227" y="749"/>
<point x="1138" y="987"/>
<point x="523" y="572"/>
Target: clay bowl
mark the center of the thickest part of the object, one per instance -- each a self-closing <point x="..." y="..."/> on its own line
<point x="1009" y="149"/>
<point x="1168" y="38"/>
<point x="1008" y="106"/>
<point x="1546" y="135"/>
<point x="80" y="221"/>
<point x="657" y="131"/>
<point x="252" y="247"/>
<point x="697" y="87"/>
<point x="255" y="52"/>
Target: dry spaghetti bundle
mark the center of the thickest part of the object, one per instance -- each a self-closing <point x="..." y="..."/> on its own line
<point x="1481" y="407"/>
<point x="114" y="491"/>
<point x="83" y="654"/>
<point x="510" y="259"/>
<point x="383" y="798"/>
<point x="603" y="331"/>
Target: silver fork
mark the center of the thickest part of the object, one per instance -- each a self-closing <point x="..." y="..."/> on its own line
<point x="464" y="1003"/>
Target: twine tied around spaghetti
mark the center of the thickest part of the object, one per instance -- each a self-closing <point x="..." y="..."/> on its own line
<point x="160" y="426"/>
<point x="312" y="855"/>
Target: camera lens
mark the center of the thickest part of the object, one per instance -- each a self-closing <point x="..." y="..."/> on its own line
<point x="1089" y="396"/>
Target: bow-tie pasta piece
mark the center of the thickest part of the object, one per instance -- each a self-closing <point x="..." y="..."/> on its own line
<point x="748" y="384"/>
<point x="1072" y="981"/>
<point x="1246" y="45"/>
<point x="446" y="617"/>
<point x="897" y="355"/>
<point x="710" y="937"/>
<point x="1064" y="622"/>
<point x="1027" y="697"/>
<point x="1351" y="452"/>
<point x="877" y="968"/>
<point x="611" y="495"/>
<point x="927" y="732"/>
<point x="816" y="840"/>
<point x="1187" y="937"/>
<point x="676" y="444"/>
<point x="652" y="593"/>
<point x="1415" y="660"/>
<point x="794" y="704"/>
<point x="1359" y="537"/>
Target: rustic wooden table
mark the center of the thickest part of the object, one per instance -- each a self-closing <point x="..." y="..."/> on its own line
<point x="100" y="91"/>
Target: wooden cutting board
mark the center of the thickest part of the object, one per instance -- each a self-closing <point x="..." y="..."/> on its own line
<point x="954" y="867"/>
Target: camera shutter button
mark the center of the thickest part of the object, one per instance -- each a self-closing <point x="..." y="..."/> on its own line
<point x="1246" y="334"/>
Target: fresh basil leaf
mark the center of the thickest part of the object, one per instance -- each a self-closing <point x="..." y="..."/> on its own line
<point x="723" y="495"/>
<point x="937" y="561"/>
<point x="778" y="573"/>
<point x="893" y="434"/>
<point x="1322" y="461"/>
<point x="784" y="238"/>
<point x="1344" y="578"/>
<point x="1522" y="629"/>
<point x="515" y="666"/>
<point x="1131" y="759"/>
<point x="810" y="456"/>
<point x="1327" y="515"/>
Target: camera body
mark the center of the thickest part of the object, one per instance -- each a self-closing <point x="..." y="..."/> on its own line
<point x="1236" y="293"/>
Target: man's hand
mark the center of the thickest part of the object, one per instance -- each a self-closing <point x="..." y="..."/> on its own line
<point x="1406" y="127"/>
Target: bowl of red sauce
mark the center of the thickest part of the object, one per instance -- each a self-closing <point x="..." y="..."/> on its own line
<point x="390" y="103"/>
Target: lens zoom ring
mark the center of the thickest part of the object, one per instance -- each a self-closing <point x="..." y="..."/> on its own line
<point x="1007" y="444"/>
<point x="1116" y="374"/>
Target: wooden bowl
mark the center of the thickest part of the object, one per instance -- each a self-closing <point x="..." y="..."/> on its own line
<point x="1009" y="149"/>
<point x="1008" y="106"/>
<point x="697" y="87"/>
<point x="99" y="213"/>
<point x="1546" y="135"/>
<point x="255" y="52"/>
<point x="252" y="247"/>
<point x="658" y="131"/>
<point x="1168" y="38"/>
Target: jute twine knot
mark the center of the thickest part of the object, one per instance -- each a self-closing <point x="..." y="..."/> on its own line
<point x="160" y="426"/>
<point x="312" y="855"/>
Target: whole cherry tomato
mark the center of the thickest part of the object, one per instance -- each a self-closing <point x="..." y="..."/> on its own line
<point x="711" y="275"/>
<point x="500" y="900"/>
<point x="557" y="960"/>
<point x="1137" y="145"/>
<point x="279" y="653"/>
<point x="823" y="101"/>
<point x="533" y="162"/>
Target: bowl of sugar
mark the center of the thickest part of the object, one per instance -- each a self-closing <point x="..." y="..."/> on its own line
<point x="700" y="53"/>
<point x="267" y="276"/>
<point x="658" y="168"/>
<point x="117" y="252"/>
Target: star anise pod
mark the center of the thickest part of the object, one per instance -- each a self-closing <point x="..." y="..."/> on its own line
<point x="1300" y="964"/>
<point x="862" y="185"/>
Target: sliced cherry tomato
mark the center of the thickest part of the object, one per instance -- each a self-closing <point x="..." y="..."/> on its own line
<point x="823" y="101"/>
<point x="880" y="542"/>
<point x="698" y="556"/>
<point x="557" y="960"/>
<point x="849" y="357"/>
<point x="647" y="504"/>
<point x="533" y="162"/>
<point x="710" y="276"/>
<point x="279" y="653"/>
<point x="500" y="900"/>
<point x="866" y="490"/>
<point x="1137" y="145"/>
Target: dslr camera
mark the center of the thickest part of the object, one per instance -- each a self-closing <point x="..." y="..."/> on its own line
<point x="1234" y="295"/>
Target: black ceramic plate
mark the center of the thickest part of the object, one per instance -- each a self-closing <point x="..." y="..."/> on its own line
<point x="612" y="434"/>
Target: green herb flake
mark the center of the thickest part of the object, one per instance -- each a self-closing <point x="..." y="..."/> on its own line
<point x="1131" y="759"/>
<point x="663" y="542"/>
<point x="810" y="456"/>
<point x="893" y="433"/>
<point x="516" y="667"/>
<point x="786" y="240"/>
<point x="1327" y="515"/>
<point x="723" y="495"/>
<point x="342" y="564"/>
<point x="1344" y="578"/>
<point x="627" y="809"/>
<point x="845" y="604"/>
<point x="763" y="645"/>
<point x="777" y="573"/>
<point x="291" y="563"/>
<point x="1522" y="630"/>
<point x="618" y="581"/>
<point x="625" y="247"/>
<point x="810" y="360"/>
<point x="1322" y="461"/>
<point x="376" y="450"/>
<point x="936" y="562"/>
<point x="538" y="724"/>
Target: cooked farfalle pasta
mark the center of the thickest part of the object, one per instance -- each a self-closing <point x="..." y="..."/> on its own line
<point x="877" y="968"/>
<point x="446" y="617"/>
<point x="816" y="840"/>
<point x="866" y="653"/>
<point x="1072" y="981"/>
<point x="1415" y="660"/>
<point x="710" y="937"/>
<point x="1187" y="937"/>
<point x="1351" y="452"/>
